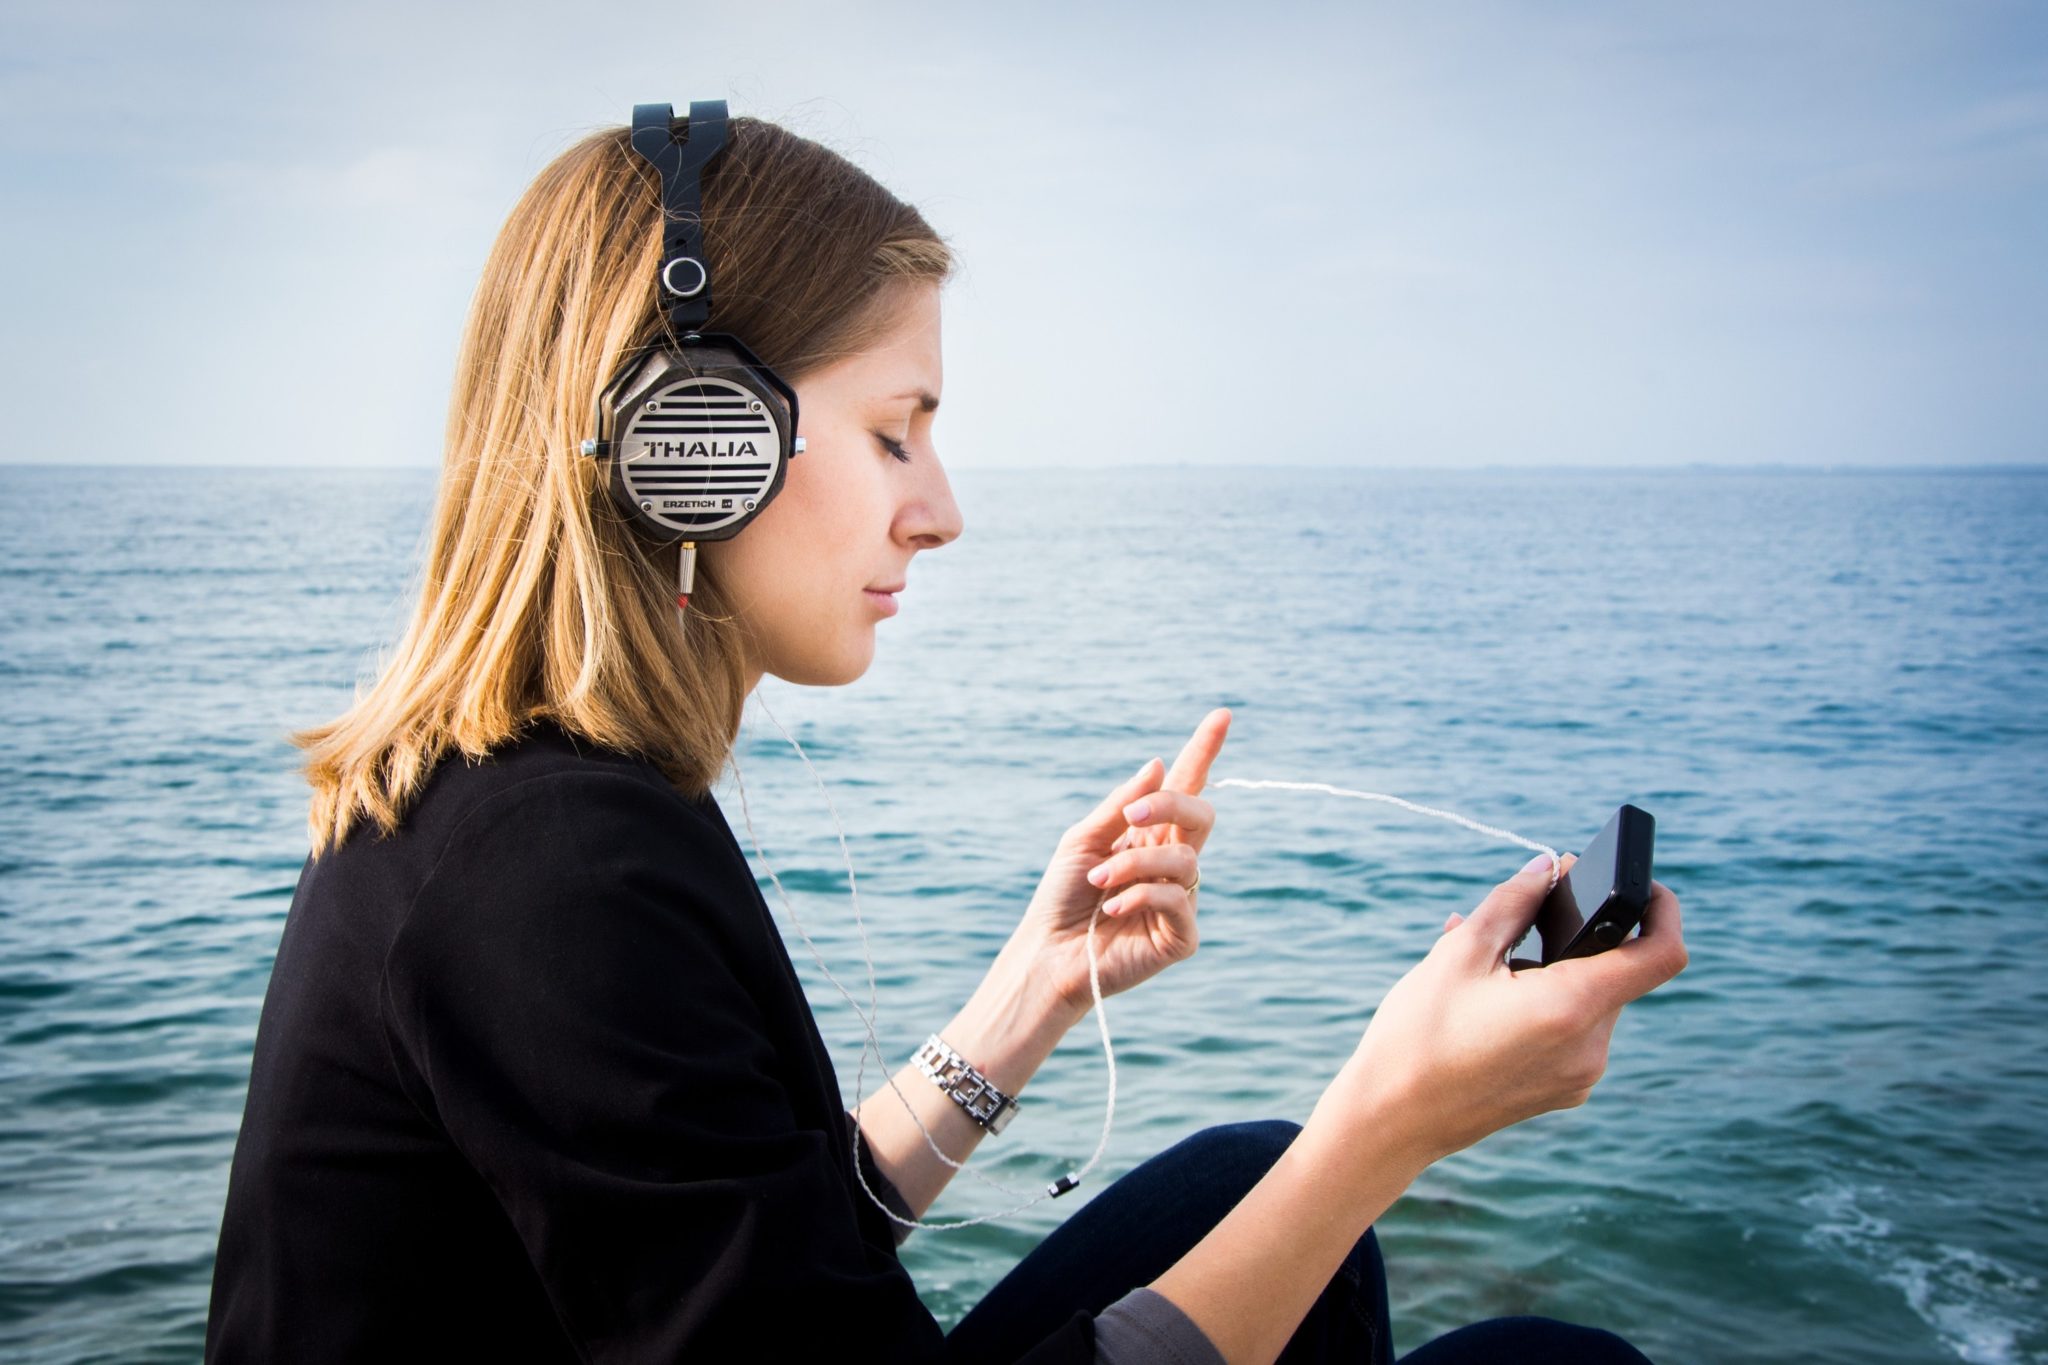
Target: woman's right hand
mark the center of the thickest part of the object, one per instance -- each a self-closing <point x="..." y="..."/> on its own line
<point x="1463" y="1046"/>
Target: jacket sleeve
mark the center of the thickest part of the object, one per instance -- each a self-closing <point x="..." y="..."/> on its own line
<point x="1144" y="1327"/>
<point x="568" y="995"/>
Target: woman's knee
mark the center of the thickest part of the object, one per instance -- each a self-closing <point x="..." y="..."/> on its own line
<point x="1229" y="1158"/>
<point x="1259" y="1141"/>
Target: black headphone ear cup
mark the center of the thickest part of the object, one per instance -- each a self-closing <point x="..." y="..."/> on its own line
<point x="699" y="437"/>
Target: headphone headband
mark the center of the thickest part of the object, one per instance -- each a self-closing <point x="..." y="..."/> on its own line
<point x="685" y="275"/>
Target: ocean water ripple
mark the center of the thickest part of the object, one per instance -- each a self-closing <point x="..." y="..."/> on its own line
<point x="1827" y="1141"/>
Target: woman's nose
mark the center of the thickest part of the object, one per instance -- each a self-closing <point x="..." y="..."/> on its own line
<point x="933" y="517"/>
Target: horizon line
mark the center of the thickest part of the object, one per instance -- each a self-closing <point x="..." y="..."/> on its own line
<point x="1692" y="466"/>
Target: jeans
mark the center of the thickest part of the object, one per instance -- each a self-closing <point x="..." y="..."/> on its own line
<point x="1132" y="1231"/>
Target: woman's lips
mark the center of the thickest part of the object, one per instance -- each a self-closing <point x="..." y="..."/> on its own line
<point x="884" y="600"/>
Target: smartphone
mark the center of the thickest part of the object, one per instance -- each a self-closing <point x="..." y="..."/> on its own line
<point x="1599" y="902"/>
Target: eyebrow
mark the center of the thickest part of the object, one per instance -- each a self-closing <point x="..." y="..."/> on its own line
<point x="927" y="401"/>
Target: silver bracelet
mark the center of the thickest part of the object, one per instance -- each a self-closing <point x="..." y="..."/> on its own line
<point x="971" y="1090"/>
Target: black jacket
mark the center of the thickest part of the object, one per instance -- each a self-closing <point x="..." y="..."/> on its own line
<point x="535" y="1081"/>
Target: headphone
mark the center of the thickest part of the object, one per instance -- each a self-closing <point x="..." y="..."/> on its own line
<point x="697" y="431"/>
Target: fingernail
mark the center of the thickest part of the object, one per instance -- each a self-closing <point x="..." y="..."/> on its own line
<point x="1112" y="905"/>
<point x="1099" y="875"/>
<point x="1137" y="811"/>
<point x="1540" y="860"/>
<point x="1143" y="768"/>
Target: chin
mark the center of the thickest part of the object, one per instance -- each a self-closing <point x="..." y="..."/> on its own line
<point x="830" y="670"/>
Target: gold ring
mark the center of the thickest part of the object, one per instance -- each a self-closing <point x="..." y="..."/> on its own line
<point x="1196" y="882"/>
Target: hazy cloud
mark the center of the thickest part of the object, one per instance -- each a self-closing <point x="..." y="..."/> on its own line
<point x="1447" y="234"/>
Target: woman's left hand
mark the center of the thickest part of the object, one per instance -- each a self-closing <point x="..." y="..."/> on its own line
<point x="1144" y="863"/>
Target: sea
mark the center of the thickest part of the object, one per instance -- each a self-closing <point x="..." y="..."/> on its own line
<point x="1826" y="1141"/>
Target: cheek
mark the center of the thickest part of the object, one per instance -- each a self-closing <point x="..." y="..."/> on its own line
<point x="787" y="567"/>
<point x="834" y="506"/>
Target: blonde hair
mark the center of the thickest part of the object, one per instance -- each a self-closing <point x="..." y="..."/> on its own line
<point x="535" y="598"/>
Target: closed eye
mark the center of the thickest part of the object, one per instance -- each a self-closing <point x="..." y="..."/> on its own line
<point x="894" y="448"/>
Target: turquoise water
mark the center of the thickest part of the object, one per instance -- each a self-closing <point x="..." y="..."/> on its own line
<point x="1824" y="1142"/>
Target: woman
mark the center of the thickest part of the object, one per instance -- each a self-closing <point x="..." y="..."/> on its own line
<point x="534" y="1079"/>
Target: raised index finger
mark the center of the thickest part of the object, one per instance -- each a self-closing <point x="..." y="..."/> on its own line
<point x="1190" y="771"/>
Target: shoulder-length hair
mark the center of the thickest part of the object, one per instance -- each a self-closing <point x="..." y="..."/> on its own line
<point x="535" y="598"/>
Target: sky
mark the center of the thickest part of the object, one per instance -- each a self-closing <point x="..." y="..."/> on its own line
<point x="1421" y="235"/>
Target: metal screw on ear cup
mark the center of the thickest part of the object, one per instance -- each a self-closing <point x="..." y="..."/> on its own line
<point x="590" y="447"/>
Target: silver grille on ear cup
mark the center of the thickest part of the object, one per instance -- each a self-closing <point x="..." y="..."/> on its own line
<point x="699" y="454"/>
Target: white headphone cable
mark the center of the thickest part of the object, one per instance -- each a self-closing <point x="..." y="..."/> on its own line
<point x="867" y="1020"/>
<point x="1094" y="972"/>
